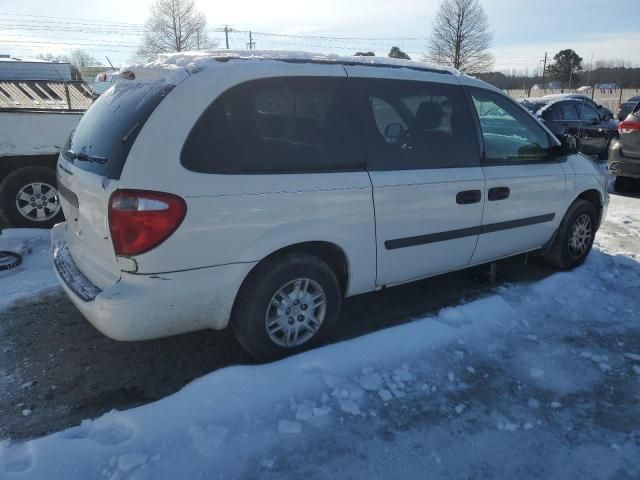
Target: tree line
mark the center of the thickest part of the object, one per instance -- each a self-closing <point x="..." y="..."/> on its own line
<point x="568" y="70"/>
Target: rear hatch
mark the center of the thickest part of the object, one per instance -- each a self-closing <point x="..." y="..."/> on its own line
<point x="89" y="169"/>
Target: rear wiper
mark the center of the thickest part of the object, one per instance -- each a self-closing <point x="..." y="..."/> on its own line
<point x="85" y="157"/>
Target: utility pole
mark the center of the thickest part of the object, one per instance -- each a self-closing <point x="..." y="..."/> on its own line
<point x="226" y="35"/>
<point x="571" y="74"/>
<point x="251" y="45"/>
<point x="544" y="70"/>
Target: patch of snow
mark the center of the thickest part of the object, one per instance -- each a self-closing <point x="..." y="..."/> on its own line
<point x="34" y="277"/>
<point x="385" y="394"/>
<point x="289" y="427"/>
<point x="304" y="412"/>
<point x="349" y="406"/>
<point x="129" y="461"/>
<point x="371" y="382"/>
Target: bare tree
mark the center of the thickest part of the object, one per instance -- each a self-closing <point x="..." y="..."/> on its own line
<point x="78" y="58"/>
<point x="461" y="36"/>
<point x="174" y="26"/>
<point x="81" y="58"/>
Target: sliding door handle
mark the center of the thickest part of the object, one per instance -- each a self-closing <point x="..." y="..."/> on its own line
<point x="498" y="193"/>
<point x="468" y="196"/>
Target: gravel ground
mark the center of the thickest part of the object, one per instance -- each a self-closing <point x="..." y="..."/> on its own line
<point x="60" y="370"/>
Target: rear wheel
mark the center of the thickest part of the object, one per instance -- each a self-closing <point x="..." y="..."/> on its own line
<point x="29" y="198"/>
<point x="574" y="238"/>
<point x="288" y="304"/>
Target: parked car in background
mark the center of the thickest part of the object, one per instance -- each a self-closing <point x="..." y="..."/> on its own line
<point x="627" y="107"/>
<point x="605" y="113"/>
<point x="257" y="191"/>
<point x="624" y="155"/>
<point x="103" y="82"/>
<point x="576" y="117"/>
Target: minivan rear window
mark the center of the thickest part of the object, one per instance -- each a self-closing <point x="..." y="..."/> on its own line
<point x="103" y="138"/>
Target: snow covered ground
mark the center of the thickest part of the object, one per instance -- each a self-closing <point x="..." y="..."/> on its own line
<point x="34" y="276"/>
<point x="539" y="380"/>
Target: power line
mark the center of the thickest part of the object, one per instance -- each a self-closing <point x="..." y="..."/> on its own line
<point x="67" y="19"/>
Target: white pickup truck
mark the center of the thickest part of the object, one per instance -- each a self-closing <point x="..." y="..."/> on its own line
<point x="36" y="118"/>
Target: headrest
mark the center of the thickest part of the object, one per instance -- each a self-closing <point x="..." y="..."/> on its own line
<point x="428" y="116"/>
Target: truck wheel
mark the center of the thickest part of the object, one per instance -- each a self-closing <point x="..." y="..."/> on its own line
<point x="575" y="237"/>
<point x="29" y="198"/>
<point x="288" y="304"/>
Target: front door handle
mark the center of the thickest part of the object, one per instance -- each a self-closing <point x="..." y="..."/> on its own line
<point x="468" y="196"/>
<point x="498" y="193"/>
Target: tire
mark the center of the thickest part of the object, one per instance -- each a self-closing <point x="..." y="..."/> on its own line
<point x="564" y="253"/>
<point x="30" y="181"/>
<point x="254" y="307"/>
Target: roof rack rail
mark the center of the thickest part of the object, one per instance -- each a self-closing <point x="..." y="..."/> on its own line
<point x="347" y="63"/>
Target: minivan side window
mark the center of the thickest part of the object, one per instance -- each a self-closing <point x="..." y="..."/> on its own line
<point x="510" y="134"/>
<point x="276" y="125"/>
<point x="416" y="125"/>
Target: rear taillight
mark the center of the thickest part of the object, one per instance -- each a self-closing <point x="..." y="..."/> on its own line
<point x="629" y="125"/>
<point x="140" y="220"/>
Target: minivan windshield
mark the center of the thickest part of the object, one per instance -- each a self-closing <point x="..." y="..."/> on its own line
<point x="103" y="138"/>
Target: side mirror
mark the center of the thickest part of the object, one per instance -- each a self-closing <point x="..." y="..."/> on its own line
<point x="393" y="131"/>
<point x="570" y="144"/>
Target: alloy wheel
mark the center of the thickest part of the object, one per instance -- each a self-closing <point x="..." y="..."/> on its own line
<point x="296" y="312"/>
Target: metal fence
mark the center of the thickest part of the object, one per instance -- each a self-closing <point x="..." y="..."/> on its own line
<point x="44" y="95"/>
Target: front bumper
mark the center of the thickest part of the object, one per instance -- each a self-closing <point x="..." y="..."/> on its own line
<point x="142" y="307"/>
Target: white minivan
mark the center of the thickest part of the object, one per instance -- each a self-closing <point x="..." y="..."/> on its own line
<point x="257" y="189"/>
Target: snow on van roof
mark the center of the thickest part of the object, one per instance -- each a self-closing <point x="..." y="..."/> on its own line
<point x="174" y="67"/>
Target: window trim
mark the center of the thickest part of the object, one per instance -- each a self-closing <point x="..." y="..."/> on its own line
<point x="554" y="155"/>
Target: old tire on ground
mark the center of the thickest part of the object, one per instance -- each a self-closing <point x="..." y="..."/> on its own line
<point x="575" y="236"/>
<point x="29" y="198"/>
<point x="289" y="303"/>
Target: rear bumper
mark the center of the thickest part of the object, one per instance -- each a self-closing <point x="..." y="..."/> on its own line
<point x="143" y="307"/>
<point x="622" y="166"/>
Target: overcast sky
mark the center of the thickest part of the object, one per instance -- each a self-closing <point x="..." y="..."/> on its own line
<point x="523" y="30"/>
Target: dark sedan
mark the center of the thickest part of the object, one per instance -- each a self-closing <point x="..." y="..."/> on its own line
<point x="627" y="107"/>
<point x="624" y="156"/>
<point x="605" y="113"/>
<point x="579" y="118"/>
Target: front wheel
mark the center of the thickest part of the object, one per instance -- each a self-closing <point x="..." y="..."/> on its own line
<point x="575" y="237"/>
<point x="29" y="198"/>
<point x="289" y="303"/>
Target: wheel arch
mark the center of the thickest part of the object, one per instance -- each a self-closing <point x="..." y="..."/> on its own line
<point x="10" y="164"/>
<point x="329" y="252"/>
<point x="594" y="197"/>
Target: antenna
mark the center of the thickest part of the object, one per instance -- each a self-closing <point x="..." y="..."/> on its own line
<point x="112" y="67"/>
